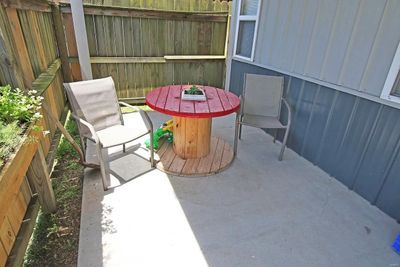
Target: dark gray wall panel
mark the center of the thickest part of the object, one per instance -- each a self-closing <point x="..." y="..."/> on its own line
<point x="355" y="140"/>
<point x="334" y="132"/>
<point x="389" y="197"/>
<point x="378" y="154"/>
<point x="293" y="92"/>
<point x="356" y="136"/>
<point x="301" y="115"/>
<point x="320" y="113"/>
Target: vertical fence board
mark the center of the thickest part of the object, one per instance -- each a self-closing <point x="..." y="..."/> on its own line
<point x="113" y="33"/>
<point x="31" y="43"/>
<point x="22" y="54"/>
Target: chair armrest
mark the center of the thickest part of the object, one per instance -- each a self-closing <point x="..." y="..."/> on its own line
<point x="241" y="97"/>
<point x="129" y="106"/>
<point x="89" y="126"/>
<point x="145" y="116"/>
<point x="289" y="111"/>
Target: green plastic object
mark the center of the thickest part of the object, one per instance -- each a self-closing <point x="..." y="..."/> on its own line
<point x="157" y="135"/>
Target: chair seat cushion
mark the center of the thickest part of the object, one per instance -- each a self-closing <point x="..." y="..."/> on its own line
<point x="261" y="121"/>
<point x="120" y="134"/>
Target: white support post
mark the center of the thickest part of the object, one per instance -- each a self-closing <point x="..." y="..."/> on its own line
<point x="231" y="41"/>
<point x="81" y="39"/>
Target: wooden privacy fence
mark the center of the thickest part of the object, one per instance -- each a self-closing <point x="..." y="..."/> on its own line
<point x="146" y="48"/>
<point x="142" y="44"/>
<point x="28" y="60"/>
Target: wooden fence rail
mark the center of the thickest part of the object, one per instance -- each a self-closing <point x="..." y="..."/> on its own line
<point x="143" y="48"/>
<point x="29" y="60"/>
<point x="142" y="44"/>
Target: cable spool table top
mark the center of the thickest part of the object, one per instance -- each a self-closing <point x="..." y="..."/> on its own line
<point x="167" y="100"/>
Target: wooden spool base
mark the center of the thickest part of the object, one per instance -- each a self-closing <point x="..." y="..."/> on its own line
<point x="219" y="158"/>
<point x="192" y="137"/>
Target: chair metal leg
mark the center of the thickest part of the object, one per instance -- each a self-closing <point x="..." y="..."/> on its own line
<point x="275" y="134"/>
<point x="83" y="146"/>
<point x="152" y="162"/>
<point x="240" y="127"/>
<point x="284" y="143"/>
<point x="235" y="142"/>
<point x="123" y="148"/>
<point x="104" y="175"/>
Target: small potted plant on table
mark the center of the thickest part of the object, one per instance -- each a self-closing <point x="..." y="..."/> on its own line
<point x="194" y="93"/>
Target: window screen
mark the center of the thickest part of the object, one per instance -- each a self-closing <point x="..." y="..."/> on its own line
<point x="249" y="7"/>
<point x="245" y="38"/>
<point x="246" y="28"/>
<point x="396" y="87"/>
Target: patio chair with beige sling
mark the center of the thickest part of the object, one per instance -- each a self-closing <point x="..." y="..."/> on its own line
<point x="95" y="107"/>
<point x="261" y="106"/>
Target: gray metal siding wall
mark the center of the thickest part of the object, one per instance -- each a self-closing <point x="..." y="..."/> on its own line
<point x="350" y="43"/>
<point x="355" y="140"/>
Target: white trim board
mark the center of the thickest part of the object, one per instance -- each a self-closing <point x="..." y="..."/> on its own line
<point x="326" y="84"/>
<point x="238" y="18"/>
<point x="391" y="78"/>
<point x="231" y="41"/>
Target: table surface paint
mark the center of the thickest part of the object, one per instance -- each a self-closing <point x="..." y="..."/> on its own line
<point x="167" y="100"/>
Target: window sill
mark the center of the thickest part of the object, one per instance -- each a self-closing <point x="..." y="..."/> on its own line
<point x="391" y="98"/>
<point x="242" y="58"/>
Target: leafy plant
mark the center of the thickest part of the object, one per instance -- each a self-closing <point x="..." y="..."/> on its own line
<point x="15" y="105"/>
<point x="17" y="110"/>
<point x="194" y="90"/>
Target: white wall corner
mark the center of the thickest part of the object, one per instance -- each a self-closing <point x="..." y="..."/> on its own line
<point x="232" y="30"/>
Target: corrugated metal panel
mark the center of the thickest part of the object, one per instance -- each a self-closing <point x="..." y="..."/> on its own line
<point x="345" y="42"/>
<point x="340" y="37"/>
<point x="350" y="151"/>
<point x="320" y="115"/>
<point x="388" y="198"/>
<point x="353" y="139"/>
<point x="303" y="40"/>
<point x="378" y="154"/>
<point x="361" y="41"/>
<point x="301" y="113"/>
<point x="383" y="50"/>
<point x="334" y="132"/>
<point x="327" y="13"/>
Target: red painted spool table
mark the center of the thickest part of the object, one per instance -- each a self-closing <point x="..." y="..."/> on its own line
<point x="192" y="119"/>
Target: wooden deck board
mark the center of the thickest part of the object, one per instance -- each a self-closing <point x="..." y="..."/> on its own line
<point x="219" y="158"/>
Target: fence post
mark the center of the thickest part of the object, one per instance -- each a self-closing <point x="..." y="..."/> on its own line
<point x="8" y="63"/>
<point x="39" y="178"/>
<point x="61" y="42"/>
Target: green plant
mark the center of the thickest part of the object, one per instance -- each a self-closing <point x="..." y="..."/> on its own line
<point x="65" y="149"/>
<point x="10" y="136"/>
<point x="194" y="90"/>
<point x="15" y="105"/>
<point x="17" y="111"/>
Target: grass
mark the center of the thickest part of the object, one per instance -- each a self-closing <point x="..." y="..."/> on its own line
<point x="10" y="137"/>
<point x="56" y="236"/>
<point x="130" y="110"/>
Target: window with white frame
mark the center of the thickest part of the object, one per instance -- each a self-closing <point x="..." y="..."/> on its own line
<point x="391" y="89"/>
<point x="249" y="11"/>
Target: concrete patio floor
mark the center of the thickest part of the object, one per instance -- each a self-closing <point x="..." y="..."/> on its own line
<point x="259" y="212"/>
